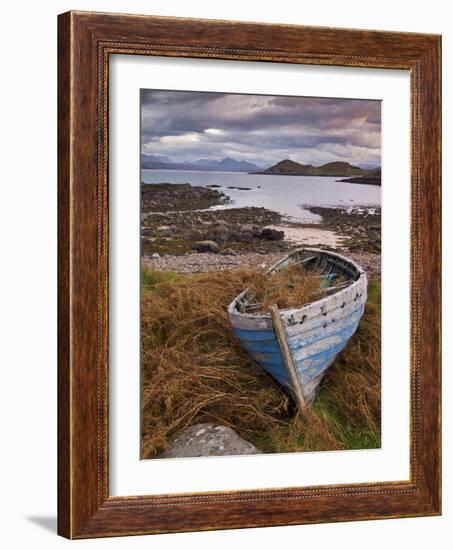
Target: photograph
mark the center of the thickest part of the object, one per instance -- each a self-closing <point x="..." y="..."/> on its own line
<point x="260" y="274"/>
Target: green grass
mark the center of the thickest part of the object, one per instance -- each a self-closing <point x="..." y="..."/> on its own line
<point x="374" y="294"/>
<point x="150" y="280"/>
<point x="357" y="436"/>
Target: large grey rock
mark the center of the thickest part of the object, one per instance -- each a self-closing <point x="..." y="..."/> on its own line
<point x="208" y="440"/>
<point x="243" y="233"/>
<point x="164" y="231"/>
<point x="247" y="227"/>
<point x="270" y="234"/>
<point x="221" y="231"/>
<point x="205" y="246"/>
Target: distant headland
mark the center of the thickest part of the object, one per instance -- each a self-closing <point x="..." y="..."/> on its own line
<point x="333" y="169"/>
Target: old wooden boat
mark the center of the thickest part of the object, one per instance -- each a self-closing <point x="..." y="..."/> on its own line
<point x="297" y="345"/>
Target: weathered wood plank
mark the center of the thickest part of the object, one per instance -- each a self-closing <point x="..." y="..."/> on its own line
<point x="287" y="357"/>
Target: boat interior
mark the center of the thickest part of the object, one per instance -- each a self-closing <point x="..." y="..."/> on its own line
<point x="334" y="272"/>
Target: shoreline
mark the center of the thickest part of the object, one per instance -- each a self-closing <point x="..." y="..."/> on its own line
<point x="193" y="263"/>
<point x="184" y="230"/>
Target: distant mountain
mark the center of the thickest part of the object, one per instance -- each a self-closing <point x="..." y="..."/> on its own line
<point x="227" y="164"/>
<point x="150" y="164"/>
<point x="291" y="168"/>
<point x="155" y="158"/>
<point x="160" y="162"/>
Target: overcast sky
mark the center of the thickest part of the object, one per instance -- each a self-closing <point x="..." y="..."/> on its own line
<point x="186" y="126"/>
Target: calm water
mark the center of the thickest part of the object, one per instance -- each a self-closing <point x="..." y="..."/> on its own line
<point x="285" y="194"/>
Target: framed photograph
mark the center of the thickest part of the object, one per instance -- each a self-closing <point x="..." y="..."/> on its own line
<point x="249" y="275"/>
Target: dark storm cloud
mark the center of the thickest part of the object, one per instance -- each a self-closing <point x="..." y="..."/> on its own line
<point x="186" y="126"/>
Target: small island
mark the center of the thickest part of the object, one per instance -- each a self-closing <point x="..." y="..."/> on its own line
<point x="366" y="180"/>
<point x="289" y="167"/>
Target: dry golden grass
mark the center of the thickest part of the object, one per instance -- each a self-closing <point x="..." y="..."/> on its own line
<point x="194" y="370"/>
<point x="287" y="288"/>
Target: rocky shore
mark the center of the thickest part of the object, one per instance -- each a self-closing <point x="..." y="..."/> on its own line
<point x="360" y="228"/>
<point x="187" y="229"/>
<point x="364" y="180"/>
<point x="165" y="197"/>
<point x="176" y="220"/>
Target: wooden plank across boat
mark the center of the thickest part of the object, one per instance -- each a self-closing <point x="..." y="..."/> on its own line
<point x="315" y="332"/>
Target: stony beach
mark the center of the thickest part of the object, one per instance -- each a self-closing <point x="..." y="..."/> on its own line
<point x="204" y="263"/>
<point x="188" y="229"/>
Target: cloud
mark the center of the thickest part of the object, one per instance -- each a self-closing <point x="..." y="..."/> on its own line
<point x="185" y="126"/>
<point x="190" y="137"/>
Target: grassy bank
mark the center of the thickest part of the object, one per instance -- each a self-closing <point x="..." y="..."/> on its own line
<point x="194" y="370"/>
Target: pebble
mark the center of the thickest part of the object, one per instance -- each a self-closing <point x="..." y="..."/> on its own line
<point x="204" y="263"/>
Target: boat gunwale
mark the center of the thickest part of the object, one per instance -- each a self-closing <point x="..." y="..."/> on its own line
<point x="232" y="311"/>
<point x="313" y="328"/>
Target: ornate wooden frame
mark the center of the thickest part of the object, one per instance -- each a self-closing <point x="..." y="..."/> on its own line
<point x="85" y="41"/>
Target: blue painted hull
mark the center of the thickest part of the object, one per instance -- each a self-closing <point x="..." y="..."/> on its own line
<point x="263" y="347"/>
<point x="315" y="333"/>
